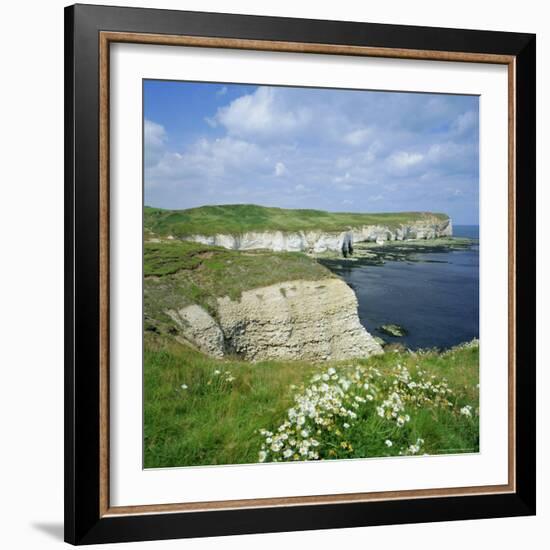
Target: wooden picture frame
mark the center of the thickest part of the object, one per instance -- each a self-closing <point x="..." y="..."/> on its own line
<point x="89" y="32"/>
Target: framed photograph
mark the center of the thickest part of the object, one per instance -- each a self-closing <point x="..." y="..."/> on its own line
<point x="300" y="283"/>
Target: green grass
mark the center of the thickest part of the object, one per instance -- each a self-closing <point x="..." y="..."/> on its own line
<point x="239" y="218"/>
<point x="178" y="273"/>
<point x="216" y="419"/>
<point x="213" y="421"/>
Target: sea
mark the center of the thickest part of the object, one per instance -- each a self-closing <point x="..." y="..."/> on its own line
<point x="435" y="296"/>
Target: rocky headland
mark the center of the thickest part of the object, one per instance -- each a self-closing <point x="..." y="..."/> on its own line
<point x="252" y="227"/>
<point x="243" y="280"/>
<point x="318" y="241"/>
<point x="293" y="320"/>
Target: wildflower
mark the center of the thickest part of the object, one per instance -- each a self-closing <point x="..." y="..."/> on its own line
<point x="346" y="425"/>
<point x="184" y="386"/>
<point x="217" y="371"/>
<point x="466" y="410"/>
<point x="262" y="455"/>
<point x="287" y="453"/>
<point x="388" y="443"/>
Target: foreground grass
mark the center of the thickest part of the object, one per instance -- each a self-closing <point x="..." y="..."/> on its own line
<point x="240" y="218"/>
<point x="215" y="419"/>
<point x="203" y="411"/>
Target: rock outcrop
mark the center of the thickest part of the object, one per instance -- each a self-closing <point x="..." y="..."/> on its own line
<point x="198" y="328"/>
<point x="294" y="320"/>
<point x="323" y="241"/>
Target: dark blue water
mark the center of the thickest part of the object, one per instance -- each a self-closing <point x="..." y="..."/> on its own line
<point x="435" y="297"/>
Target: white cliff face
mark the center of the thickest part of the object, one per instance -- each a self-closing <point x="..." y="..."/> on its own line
<point x="309" y="320"/>
<point x="294" y="320"/>
<point x="322" y="241"/>
<point x="198" y="328"/>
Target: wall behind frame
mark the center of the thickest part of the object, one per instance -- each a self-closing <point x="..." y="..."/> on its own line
<point x="31" y="293"/>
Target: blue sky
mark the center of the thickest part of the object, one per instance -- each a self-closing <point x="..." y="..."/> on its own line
<point x="338" y="150"/>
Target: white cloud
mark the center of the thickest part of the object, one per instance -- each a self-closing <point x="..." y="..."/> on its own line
<point x="153" y="133"/>
<point x="357" y="137"/>
<point x="154" y="139"/>
<point x="452" y="156"/>
<point x="280" y="169"/>
<point x="404" y="163"/>
<point x="208" y="161"/>
<point x="262" y="114"/>
<point x="402" y="159"/>
<point x="464" y="122"/>
<point x="340" y="179"/>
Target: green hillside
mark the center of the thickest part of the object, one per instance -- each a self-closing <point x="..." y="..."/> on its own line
<point x="240" y="218"/>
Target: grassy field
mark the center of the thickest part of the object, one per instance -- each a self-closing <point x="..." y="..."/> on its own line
<point x="201" y="411"/>
<point x="240" y="218"/>
<point x="178" y="273"/>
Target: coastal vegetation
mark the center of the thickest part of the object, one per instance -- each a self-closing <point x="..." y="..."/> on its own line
<point x="240" y="218"/>
<point x="179" y="273"/>
<point x="200" y="410"/>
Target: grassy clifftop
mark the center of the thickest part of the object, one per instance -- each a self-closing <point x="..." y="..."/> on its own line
<point x="179" y="273"/>
<point x="240" y="218"/>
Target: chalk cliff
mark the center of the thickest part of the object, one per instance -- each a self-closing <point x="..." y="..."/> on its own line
<point x="294" y="320"/>
<point x="322" y="241"/>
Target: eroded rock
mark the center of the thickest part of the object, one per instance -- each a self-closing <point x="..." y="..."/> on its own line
<point x="198" y="328"/>
<point x="323" y="241"/>
<point x="298" y="320"/>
